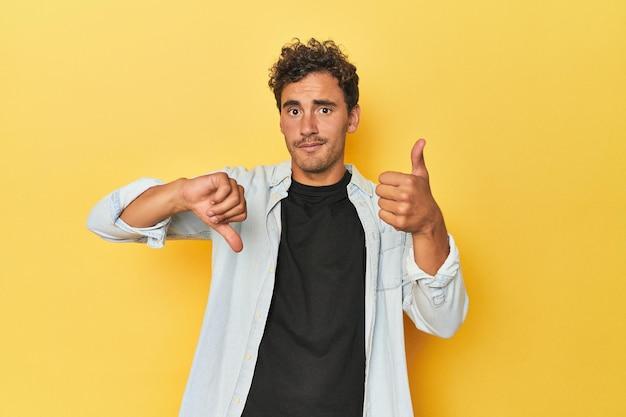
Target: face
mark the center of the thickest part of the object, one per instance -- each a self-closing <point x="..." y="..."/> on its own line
<point x="314" y="120"/>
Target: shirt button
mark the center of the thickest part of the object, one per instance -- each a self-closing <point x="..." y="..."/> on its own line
<point x="236" y="400"/>
<point x="257" y="315"/>
<point x="271" y="270"/>
<point x="248" y="357"/>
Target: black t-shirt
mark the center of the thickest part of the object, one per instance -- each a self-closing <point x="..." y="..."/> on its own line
<point x="311" y="360"/>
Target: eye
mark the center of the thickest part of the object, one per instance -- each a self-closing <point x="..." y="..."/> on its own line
<point x="293" y="112"/>
<point x="325" y="110"/>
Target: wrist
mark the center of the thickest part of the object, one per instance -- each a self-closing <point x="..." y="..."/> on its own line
<point x="178" y="201"/>
<point x="431" y="247"/>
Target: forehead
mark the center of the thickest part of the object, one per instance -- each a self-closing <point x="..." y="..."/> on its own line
<point x="315" y="86"/>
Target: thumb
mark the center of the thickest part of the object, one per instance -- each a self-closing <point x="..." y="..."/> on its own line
<point x="418" y="165"/>
<point x="230" y="235"/>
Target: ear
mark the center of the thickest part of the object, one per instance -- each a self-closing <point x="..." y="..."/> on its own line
<point x="353" y="118"/>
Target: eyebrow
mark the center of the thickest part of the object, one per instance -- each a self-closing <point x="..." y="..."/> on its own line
<point x="328" y="103"/>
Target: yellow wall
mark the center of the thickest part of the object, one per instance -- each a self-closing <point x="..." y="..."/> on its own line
<point x="524" y="107"/>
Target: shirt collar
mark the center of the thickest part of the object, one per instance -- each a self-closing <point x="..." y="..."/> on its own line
<point x="360" y="181"/>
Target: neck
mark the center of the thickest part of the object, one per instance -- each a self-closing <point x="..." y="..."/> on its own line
<point x="318" y="179"/>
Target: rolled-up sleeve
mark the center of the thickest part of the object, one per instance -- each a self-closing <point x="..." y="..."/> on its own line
<point x="437" y="304"/>
<point x="104" y="218"/>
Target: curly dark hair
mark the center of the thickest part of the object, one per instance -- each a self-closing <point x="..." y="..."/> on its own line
<point x="297" y="60"/>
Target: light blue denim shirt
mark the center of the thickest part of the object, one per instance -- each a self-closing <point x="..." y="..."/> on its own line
<point x="242" y="286"/>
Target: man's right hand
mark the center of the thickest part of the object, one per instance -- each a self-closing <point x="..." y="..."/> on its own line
<point x="215" y="198"/>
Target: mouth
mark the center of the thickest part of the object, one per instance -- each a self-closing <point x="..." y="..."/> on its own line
<point x="310" y="144"/>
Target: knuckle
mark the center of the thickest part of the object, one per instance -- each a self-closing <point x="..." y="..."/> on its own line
<point x="404" y="196"/>
<point x="402" y="210"/>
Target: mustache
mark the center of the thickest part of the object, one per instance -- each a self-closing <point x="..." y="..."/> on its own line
<point x="310" y="139"/>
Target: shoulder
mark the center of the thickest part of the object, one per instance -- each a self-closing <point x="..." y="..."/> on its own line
<point x="260" y="175"/>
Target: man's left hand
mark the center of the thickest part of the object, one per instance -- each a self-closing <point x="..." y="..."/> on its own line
<point x="406" y="202"/>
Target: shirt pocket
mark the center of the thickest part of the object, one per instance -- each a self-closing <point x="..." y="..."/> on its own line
<point x="390" y="263"/>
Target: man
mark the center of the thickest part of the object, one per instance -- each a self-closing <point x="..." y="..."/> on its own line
<point x="315" y="264"/>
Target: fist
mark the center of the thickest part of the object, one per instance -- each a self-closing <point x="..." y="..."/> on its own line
<point x="217" y="200"/>
<point x="405" y="200"/>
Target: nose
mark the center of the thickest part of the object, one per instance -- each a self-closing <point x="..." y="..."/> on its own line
<point x="308" y="125"/>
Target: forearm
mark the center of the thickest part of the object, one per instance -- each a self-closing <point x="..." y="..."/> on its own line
<point x="104" y="217"/>
<point x="154" y="205"/>
<point x="431" y="246"/>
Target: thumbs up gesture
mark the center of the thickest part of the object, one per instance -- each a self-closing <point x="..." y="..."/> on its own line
<point x="406" y="202"/>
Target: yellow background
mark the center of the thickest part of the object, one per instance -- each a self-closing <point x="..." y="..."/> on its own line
<point x="523" y="104"/>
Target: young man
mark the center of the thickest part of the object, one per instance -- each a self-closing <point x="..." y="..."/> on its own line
<point x="315" y="264"/>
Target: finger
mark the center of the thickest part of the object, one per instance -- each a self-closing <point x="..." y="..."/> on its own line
<point x="236" y="214"/>
<point x="391" y="178"/>
<point x="240" y="212"/>
<point x="232" y="202"/>
<point x="223" y="187"/>
<point x="387" y="205"/>
<point x="230" y="235"/>
<point x="418" y="165"/>
<point x="399" y="209"/>
<point x="386" y="191"/>
<point x="232" y="209"/>
<point x="388" y="218"/>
